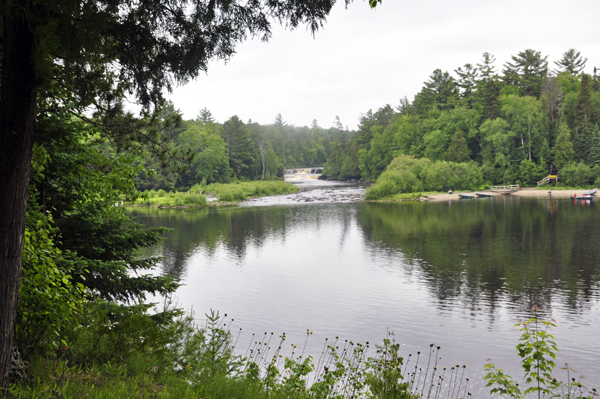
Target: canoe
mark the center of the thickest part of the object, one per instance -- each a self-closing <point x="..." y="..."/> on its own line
<point x="591" y="192"/>
<point x="587" y="197"/>
<point x="484" y="194"/>
<point x="466" y="196"/>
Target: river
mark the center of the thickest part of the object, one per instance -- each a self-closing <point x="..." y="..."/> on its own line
<point x="458" y="274"/>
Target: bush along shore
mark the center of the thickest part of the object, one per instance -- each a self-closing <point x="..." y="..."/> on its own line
<point x="130" y="352"/>
<point x="230" y="192"/>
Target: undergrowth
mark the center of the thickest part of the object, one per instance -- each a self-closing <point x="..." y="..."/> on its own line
<point x="231" y="192"/>
<point x="128" y="352"/>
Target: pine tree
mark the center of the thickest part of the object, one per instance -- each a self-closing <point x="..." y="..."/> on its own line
<point x="594" y="153"/>
<point x="586" y="138"/>
<point x="458" y="150"/>
<point x="584" y="106"/>
<point x="563" y="150"/>
<point x="239" y="147"/>
<point x="205" y="116"/>
<point x="467" y="81"/>
<point x="279" y="122"/>
<point x="571" y="62"/>
<point x="440" y="90"/>
<point x="488" y="87"/>
<point x="527" y="72"/>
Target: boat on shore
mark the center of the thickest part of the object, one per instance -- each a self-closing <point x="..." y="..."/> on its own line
<point x="466" y="196"/>
<point x="484" y="195"/>
<point x="591" y="192"/>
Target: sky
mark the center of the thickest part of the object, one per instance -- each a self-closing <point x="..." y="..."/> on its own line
<point x="363" y="59"/>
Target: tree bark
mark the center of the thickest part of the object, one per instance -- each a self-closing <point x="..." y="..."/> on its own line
<point x="17" y="130"/>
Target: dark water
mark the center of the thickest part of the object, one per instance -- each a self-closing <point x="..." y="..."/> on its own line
<point x="457" y="274"/>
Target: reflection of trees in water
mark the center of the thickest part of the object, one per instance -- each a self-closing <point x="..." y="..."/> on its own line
<point x="235" y="228"/>
<point x="493" y="252"/>
<point x="173" y="262"/>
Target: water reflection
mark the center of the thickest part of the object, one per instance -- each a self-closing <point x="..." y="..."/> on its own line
<point x="457" y="274"/>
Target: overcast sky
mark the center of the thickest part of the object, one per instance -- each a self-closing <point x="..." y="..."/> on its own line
<point x="363" y="59"/>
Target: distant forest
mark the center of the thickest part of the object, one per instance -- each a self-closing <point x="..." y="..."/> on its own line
<point x="514" y="124"/>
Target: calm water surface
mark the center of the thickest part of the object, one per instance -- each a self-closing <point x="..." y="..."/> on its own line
<point x="457" y="274"/>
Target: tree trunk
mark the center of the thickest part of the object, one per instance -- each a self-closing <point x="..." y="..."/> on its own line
<point x="17" y="128"/>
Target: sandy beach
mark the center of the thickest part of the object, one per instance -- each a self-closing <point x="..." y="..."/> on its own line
<point x="524" y="192"/>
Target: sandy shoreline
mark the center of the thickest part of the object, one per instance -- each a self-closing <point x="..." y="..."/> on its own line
<point x="524" y="192"/>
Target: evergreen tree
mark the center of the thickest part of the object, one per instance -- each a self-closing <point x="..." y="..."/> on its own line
<point x="584" y="108"/>
<point x="440" y="90"/>
<point x="563" y="150"/>
<point x="337" y="124"/>
<point x="205" y="116"/>
<point x="553" y="96"/>
<point x="527" y="71"/>
<point x="487" y="70"/>
<point x="458" y="151"/>
<point x="584" y="141"/>
<point x="279" y="122"/>
<point x="405" y="107"/>
<point x="467" y="81"/>
<point x="239" y="147"/>
<point x="571" y="62"/>
<point x="594" y="153"/>
<point x="488" y="88"/>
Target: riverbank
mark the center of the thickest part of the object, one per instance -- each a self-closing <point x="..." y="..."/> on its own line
<point x="524" y="192"/>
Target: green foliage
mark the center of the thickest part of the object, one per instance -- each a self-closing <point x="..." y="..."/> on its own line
<point x="537" y="350"/>
<point x="529" y="173"/>
<point x="502" y="383"/>
<point x="563" y="150"/>
<point x="243" y="190"/>
<point x="571" y="62"/>
<point x="527" y="71"/>
<point x="457" y="151"/>
<point x="406" y="174"/>
<point x="577" y="175"/>
<point x="524" y="117"/>
<point x="393" y="182"/>
<point x="175" y="199"/>
<point x="384" y="373"/>
<point x="81" y="179"/>
<point x="49" y="301"/>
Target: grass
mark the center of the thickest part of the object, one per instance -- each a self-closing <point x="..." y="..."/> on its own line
<point x="408" y="196"/>
<point x="559" y="187"/>
<point x="124" y="352"/>
<point x="132" y="354"/>
<point x="164" y="199"/>
<point x="240" y="191"/>
<point x="231" y="192"/>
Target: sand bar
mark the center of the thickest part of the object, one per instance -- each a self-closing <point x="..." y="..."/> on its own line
<point x="524" y="192"/>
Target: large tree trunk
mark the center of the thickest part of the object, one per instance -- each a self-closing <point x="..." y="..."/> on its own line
<point x="17" y="128"/>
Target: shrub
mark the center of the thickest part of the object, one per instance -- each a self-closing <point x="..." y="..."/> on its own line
<point x="576" y="175"/>
<point x="406" y="174"/>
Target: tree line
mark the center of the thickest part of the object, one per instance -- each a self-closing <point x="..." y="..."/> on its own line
<point x="517" y="124"/>
<point x="234" y="149"/>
